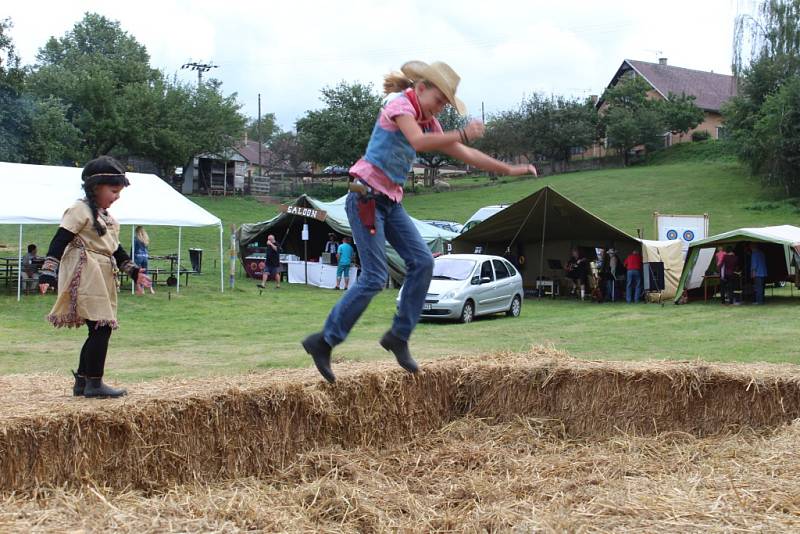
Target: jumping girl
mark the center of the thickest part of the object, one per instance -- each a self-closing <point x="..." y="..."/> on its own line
<point x="406" y="125"/>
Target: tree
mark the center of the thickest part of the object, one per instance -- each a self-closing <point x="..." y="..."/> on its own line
<point x="286" y="151"/>
<point x="14" y="113"/>
<point x="90" y="70"/>
<point x="433" y="161"/>
<point x="338" y="134"/>
<point x="96" y="80"/>
<point x="566" y="124"/>
<point x="504" y="137"/>
<point x="53" y="139"/>
<point x="776" y="153"/>
<point x="631" y="118"/>
<point x="680" y="114"/>
<point x="767" y="67"/>
<point x="269" y="128"/>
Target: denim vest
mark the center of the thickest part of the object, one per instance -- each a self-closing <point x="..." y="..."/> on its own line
<point x="390" y="152"/>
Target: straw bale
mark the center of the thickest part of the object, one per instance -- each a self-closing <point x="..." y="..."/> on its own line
<point x="471" y="475"/>
<point x="175" y="432"/>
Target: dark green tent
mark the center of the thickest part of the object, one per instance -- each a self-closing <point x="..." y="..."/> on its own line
<point x="539" y="231"/>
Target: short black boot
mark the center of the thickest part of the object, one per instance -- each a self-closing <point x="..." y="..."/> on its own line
<point x="95" y="388"/>
<point x="391" y="342"/>
<point x="79" y="385"/>
<point x="320" y="351"/>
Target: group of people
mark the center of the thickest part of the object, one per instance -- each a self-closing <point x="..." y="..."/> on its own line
<point x="609" y="272"/>
<point x="733" y="273"/>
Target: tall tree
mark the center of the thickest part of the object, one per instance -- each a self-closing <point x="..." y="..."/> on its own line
<point x="505" y="137"/>
<point x="90" y="69"/>
<point x="286" y="152"/>
<point x="15" y="115"/>
<point x="630" y="118"/>
<point x="566" y="125"/>
<point x="53" y="140"/>
<point x="268" y="128"/>
<point x="767" y="67"/>
<point x="338" y="134"/>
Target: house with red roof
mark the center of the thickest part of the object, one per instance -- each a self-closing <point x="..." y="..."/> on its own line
<point x="710" y="89"/>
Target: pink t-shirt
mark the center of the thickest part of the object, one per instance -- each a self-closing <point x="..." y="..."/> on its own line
<point x="374" y="176"/>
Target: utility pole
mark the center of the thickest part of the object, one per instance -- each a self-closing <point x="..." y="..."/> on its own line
<point x="483" y="115"/>
<point x="200" y="68"/>
<point x="260" y="141"/>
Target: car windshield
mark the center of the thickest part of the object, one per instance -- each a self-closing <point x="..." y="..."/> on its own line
<point x="452" y="269"/>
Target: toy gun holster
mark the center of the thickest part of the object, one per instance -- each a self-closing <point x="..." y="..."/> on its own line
<point x="366" y="204"/>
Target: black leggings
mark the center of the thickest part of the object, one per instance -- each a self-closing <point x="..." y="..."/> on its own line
<point x="93" y="353"/>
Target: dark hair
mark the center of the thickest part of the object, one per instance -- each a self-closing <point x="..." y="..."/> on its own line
<point x="31" y="248"/>
<point x="104" y="170"/>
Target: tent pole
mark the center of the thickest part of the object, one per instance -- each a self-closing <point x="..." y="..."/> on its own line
<point x="133" y="245"/>
<point x="178" y="268"/>
<point x="19" y="266"/>
<point x="541" y="252"/>
<point x="221" y="259"/>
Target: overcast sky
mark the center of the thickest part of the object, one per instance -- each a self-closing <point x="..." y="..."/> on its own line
<point x="503" y="50"/>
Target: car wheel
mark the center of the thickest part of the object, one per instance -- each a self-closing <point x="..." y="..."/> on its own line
<point x="467" y="312"/>
<point x="516" y="307"/>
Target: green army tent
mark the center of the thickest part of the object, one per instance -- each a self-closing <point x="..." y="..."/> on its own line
<point x="287" y="229"/>
<point x="539" y="231"/>
<point x="781" y="246"/>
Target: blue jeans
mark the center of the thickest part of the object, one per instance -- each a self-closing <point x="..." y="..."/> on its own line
<point x="633" y="289"/>
<point x="392" y="224"/>
<point x="758" y="288"/>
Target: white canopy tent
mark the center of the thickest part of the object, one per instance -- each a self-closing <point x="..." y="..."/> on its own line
<point x="39" y="194"/>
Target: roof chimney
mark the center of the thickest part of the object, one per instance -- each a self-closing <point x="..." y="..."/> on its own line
<point x="594" y="98"/>
<point x="662" y="61"/>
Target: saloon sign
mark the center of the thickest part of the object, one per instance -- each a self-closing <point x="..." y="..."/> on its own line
<point x="310" y="213"/>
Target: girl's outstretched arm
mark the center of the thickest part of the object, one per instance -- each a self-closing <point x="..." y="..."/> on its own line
<point x="483" y="161"/>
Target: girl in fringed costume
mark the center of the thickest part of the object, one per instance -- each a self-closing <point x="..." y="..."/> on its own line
<point x="85" y="256"/>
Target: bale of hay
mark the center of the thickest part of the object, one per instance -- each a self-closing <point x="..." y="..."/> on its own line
<point x="256" y="425"/>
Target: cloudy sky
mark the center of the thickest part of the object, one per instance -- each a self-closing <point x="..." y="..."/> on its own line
<point x="503" y="49"/>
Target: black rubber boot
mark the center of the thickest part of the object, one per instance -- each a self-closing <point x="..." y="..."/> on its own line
<point x="392" y="343"/>
<point x="320" y="351"/>
<point x="80" y="384"/>
<point x="95" y="388"/>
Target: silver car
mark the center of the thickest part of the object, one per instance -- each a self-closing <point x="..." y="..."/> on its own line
<point x="464" y="286"/>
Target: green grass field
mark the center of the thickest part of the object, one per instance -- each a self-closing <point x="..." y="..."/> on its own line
<point x="203" y="332"/>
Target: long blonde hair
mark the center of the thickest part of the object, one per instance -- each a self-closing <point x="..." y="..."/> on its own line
<point x="141" y="235"/>
<point x="395" y="82"/>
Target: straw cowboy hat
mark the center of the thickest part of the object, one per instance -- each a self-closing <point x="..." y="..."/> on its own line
<point x="439" y="74"/>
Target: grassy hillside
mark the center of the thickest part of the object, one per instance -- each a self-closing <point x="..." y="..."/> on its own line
<point x="682" y="181"/>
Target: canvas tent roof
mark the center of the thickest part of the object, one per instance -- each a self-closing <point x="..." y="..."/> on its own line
<point x="39" y="194"/>
<point x="546" y="224"/>
<point x="545" y="212"/>
<point x="786" y="239"/>
<point x="542" y="226"/>
<point x="287" y="230"/>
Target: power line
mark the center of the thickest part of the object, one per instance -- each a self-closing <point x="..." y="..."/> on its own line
<point x="200" y="68"/>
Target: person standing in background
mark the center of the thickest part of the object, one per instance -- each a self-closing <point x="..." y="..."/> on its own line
<point x="141" y="254"/>
<point x="272" y="264"/>
<point x="758" y="271"/>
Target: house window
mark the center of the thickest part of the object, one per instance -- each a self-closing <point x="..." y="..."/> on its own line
<point x="722" y="132"/>
<point x="577" y="150"/>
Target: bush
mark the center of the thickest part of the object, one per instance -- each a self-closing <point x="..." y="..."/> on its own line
<point x="701" y="135"/>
